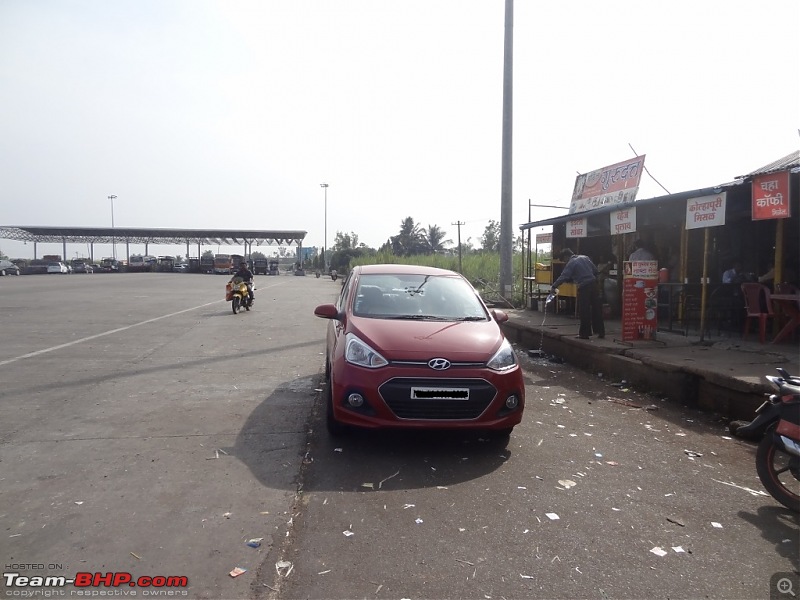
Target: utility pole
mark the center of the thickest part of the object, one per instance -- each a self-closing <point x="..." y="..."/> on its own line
<point x="113" y="237"/>
<point x="324" y="186"/>
<point x="506" y="213"/>
<point x="459" y="223"/>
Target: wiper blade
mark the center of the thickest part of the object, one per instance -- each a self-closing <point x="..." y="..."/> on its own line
<point x="417" y="317"/>
<point x="469" y="318"/>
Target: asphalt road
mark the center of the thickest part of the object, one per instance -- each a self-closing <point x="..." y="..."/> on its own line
<point x="145" y="429"/>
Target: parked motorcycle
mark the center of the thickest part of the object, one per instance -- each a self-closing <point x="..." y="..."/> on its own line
<point x="238" y="294"/>
<point x="777" y="423"/>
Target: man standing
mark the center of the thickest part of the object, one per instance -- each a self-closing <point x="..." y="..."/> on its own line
<point x="583" y="273"/>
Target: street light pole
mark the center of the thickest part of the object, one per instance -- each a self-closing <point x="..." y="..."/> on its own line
<point x="113" y="239"/>
<point x="324" y="186"/>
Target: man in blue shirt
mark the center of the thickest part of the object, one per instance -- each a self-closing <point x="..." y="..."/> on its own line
<point x="583" y="273"/>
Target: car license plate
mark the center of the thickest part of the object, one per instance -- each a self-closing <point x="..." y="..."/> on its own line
<point x="426" y="393"/>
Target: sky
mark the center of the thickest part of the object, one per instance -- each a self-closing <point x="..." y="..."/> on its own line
<point x="229" y="114"/>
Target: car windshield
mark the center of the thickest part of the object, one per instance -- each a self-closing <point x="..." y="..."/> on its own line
<point x="417" y="297"/>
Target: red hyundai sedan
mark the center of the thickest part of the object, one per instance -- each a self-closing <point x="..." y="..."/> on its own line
<point x="416" y="347"/>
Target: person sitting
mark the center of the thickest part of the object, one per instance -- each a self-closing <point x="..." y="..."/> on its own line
<point x="734" y="274"/>
<point x="246" y="275"/>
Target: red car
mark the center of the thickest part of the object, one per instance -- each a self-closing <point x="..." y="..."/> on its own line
<point x="416" y="347"/>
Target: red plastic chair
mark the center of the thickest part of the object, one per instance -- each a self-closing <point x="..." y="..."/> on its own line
<point x="757" y="305"/>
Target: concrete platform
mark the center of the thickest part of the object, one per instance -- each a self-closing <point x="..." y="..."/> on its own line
<point x="724" y="374"/>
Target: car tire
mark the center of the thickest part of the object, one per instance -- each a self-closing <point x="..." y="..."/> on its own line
<point x="335" y="428"/>
<point x="2" y="272"/>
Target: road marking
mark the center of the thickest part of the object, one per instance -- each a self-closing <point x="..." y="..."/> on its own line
<point x="105" y="333"/>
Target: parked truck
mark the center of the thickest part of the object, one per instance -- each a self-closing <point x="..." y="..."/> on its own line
<point x="223" y="265"/>
<point x="260" y="266"/>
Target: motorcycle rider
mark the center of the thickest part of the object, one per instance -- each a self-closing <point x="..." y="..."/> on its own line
<point x="247" y="276"/>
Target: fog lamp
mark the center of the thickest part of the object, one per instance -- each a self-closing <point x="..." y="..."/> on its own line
<point x="512" y="402"/>
<point x="355" y="400"/>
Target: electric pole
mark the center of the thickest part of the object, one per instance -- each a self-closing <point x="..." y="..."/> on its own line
<point x="506" y="241"/>
<point x="459" y="223"/>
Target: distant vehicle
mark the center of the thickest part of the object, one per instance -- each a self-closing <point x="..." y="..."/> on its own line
<point x="110" y="265"/>
<point x="8" y="268"/>
<point x="181" y="268"/>
<point x="165" y="263"/>
<point x="236" y="260"/>
<point x="260" y="266"/>
<point x="223" y="264"/>
<point x="274" y="267"/>
<point x="57" y="267"/>
<point x="82" y="268"/>
<point x="206" y="264"/>
<point x="139" y="263"/>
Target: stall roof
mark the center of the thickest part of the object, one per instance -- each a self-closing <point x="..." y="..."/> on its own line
<point x="789" y="162"/>
<point x="649" y="201"/>
<point x="105" y="235"/>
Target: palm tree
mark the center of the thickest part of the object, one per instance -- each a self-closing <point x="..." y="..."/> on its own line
<point x="410" y="240"/>
<point x="434" y="239"/>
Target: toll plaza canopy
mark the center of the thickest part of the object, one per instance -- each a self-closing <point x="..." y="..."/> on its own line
<point x="105" y="235"/>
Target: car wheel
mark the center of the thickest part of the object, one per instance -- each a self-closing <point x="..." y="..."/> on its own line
<point x="335" y="428"/>
<point x="2" y="273"/>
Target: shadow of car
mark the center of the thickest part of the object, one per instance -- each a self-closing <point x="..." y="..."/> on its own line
<point x="413" y="347"/>
<point x="8" y="268"/>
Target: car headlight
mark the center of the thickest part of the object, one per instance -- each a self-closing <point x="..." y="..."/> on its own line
<point x="504" y="358"/>
<point x="359" y="353"/>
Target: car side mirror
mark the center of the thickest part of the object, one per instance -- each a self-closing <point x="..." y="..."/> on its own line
<point x="499" y="315"/>
<point x="327" y="311"/>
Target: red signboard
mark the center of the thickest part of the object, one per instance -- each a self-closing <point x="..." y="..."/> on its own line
<point x="639" y="300"/>
<point x="771" y="196"/>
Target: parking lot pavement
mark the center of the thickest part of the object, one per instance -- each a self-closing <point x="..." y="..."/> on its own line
<point x="146" y="429"/>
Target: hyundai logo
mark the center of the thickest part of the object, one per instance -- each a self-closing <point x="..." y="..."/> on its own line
<point x="439" y="364"/>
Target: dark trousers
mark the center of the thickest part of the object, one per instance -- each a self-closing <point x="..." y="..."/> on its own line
<point x="590" y="310"/>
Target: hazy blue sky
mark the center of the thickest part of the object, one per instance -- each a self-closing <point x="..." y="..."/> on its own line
<point x="229" y="114"/>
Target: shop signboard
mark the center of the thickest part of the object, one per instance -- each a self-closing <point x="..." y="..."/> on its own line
<point x="614" y="184"/>
<point x="771" y="196"/>
<point x="705" y="211"/>
<point x="577" y="228"/>
<point x="639" y="300"/>
<point x="623" y="221"/>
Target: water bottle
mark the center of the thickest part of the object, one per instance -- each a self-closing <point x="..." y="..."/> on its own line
<point x="550" y="297"/>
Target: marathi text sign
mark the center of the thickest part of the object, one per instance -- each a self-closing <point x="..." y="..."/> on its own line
<point x="639" y="291"/>
<point x="544" y="238"/>
<point x="577" y="228"/>
<point x="623" y="221"/>
<point x="771" y="196"/>
<point x="615" y="184"/>
<point x="706" y="211"/>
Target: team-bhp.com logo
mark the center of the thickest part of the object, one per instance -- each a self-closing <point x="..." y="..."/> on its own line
<point x="112" y="579"/>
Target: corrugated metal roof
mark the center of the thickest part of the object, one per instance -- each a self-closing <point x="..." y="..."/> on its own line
<point x="790" y="161"/>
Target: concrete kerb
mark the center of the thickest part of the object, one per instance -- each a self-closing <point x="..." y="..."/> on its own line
<point x="724" y="377"/>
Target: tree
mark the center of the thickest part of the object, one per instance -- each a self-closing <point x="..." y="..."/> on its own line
<point x="434" y="239"/>
<point x="490" y="240"/>
<point x="208" y="254"/>
<point x="410" y="240"/>
<point x="345" y="241"/>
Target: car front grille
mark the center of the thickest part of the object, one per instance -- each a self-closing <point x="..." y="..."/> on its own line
<point x="397" y="393"/>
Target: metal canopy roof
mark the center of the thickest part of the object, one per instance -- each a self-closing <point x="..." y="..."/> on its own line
<point x="105" y="235"/>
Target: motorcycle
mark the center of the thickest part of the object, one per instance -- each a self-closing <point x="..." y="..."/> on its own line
<point x="237" y="292"/>
<point x="334" y="275"/>
<point x="777" y="424"/>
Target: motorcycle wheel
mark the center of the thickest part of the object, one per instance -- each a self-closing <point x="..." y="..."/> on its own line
<point x="779" y="472"/>
<point x="235" y="304"/>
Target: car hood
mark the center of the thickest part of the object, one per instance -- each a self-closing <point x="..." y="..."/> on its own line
<point x="461" y="341"/>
